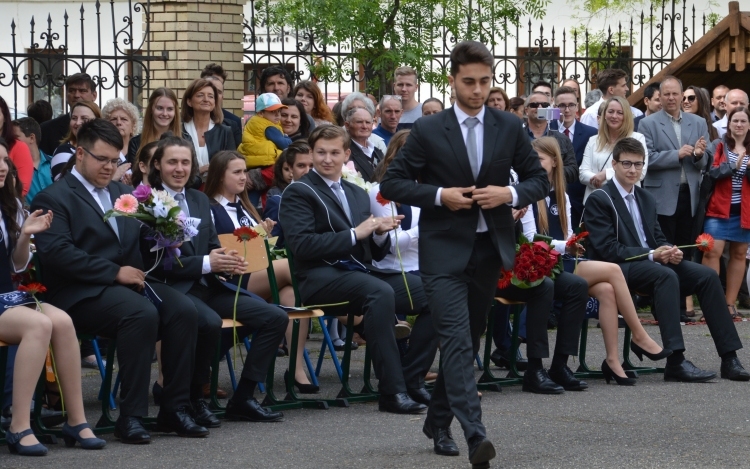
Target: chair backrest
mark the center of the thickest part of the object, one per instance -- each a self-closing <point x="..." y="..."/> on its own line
<point x="295" y="286"/>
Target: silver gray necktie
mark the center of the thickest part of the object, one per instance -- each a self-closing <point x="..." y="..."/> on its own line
<point x="635" y="215"/>
<point x="107" y="205"/>
<point x="471" y="145"/>
<point x="180" y="198"/>
<point x="339" y="191"/>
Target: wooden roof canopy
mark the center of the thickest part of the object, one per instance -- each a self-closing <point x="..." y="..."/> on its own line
<point x="720" y="57"/>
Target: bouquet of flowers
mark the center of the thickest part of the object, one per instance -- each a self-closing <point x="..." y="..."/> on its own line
<point x="162" y="214"/>
<point x="352" y="175"/>
<point x="534" y="261"/>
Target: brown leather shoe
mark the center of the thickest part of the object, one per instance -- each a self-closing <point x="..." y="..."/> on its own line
<point x="220" y="393"/>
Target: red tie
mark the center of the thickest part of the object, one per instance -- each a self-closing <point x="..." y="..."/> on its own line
<point x="567" y="132"/>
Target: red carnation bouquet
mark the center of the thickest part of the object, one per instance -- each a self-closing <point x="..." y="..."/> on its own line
<point x="534" y="261"/>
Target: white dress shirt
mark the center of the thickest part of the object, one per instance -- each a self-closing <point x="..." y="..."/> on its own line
<point x="721" y="125"/>
<point x="408" y="240"/>
<point x="231" y="211"/>
<point x="367" y="149"/>
<point x="571" y="129"/>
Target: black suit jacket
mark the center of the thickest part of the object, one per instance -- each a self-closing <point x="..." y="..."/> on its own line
<point x="53" y="131"/>
<point x="234" y="123"/>
<point x="612" y="233"/>
<point x="318" y="232"/>
<point x="183" y="278"/>
<point x="217" y="139"/>
<point x="435" y="154"/>
<point x="362" y="163"/>
<point x="637" y="121"/>
<point x="80" y="253"/>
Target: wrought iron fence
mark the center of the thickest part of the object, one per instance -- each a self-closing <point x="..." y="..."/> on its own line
<point x="641" y="46"/>
<point x="112" y="47"/>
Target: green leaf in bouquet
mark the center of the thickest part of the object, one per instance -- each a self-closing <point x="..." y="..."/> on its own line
<point x="174" y="211"/>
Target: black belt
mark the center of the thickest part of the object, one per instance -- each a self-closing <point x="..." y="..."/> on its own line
<point x="482" y="235"/>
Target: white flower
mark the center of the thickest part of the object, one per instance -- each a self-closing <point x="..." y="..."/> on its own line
<point x="159" y="210"/>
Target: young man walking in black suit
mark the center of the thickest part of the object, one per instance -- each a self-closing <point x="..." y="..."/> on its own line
<point x="462" y="158"/>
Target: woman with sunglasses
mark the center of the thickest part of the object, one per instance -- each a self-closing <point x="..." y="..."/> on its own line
<point x="695" y="100"/>
<point x="728" y="208"/>
<point x="615" y="123"/>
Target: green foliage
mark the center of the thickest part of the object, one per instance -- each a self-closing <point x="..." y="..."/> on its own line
<point x="384" y="34"/>
<point x="603" y="45"/>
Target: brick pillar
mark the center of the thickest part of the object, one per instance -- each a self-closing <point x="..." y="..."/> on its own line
<point x="196" y="33"/>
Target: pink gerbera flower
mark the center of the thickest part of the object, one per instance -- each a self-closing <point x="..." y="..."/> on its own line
<point x="126" y="203"/>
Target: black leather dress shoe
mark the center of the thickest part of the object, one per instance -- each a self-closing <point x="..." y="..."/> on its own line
<point x="251" y="411"/>
<point x="565" y="378"/>
<point x="420" y="395"/>
<point x="203" y="415"/>
<point x="441" y="439"/>
<point x="399" y="403"/>
<point x="481" y="452"/>
<point x="181" y="422"/>
<point x="539" y="382"/>
<point x="732" y="369"/>
<point x="501" y="359"/>
<point x="130" y="430"/>
<point x="686" y="372"/>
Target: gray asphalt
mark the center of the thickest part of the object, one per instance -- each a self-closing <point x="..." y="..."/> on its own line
<point x="654" y="424"/>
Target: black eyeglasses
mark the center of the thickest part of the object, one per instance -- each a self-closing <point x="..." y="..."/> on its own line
<point x="567" y="106"/>
<point x="103" y="160"/>
<point x="628" y="164"/>
<point x="538" y="105"/>
<point x="689" y="98"/>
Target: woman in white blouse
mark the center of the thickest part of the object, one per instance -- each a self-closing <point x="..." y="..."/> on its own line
<point x="231" y="209"/>
<point x="615" y="123"/>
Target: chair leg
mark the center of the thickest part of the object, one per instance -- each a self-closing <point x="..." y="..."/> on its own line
<point x="106" y="419"/>
<point x="346" y="391"/>
<point x="100" y="365"/>
<point x="214" y="403"/>
<point x="3" y="364"/>
<point x="328" y="343"/>
<point x="310" y="368"/>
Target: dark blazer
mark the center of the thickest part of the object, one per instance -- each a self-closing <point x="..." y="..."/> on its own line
<point x="637" y="121"/>
<point x="80" y="253"/>
<point x="182" y="278"/>
<point x="217" y="139"/>
<point x="318" y="232"/>
<point x="581" y="135"/>
<point x="234" y="123"/>
<point x="612" y="233"/>
<point x="53" y="131"/>
<point x="571" y="161"/>
<point x="135" y="145"/>
<point x="435" y="154"/>
<point x="362" y="163"/>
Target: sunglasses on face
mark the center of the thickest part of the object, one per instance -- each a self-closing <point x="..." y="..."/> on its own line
<point x="538" y="105"/>
<point x="689" y="99"/>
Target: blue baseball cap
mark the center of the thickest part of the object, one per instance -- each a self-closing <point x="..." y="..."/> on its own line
<point x="268" y="102"/>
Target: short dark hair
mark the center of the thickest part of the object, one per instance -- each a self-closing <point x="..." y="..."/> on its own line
<point x="269" y="72"/>
<point x="541" y="83"/>
<point x="29" y="126"/>
<point x="214" y="70"/>
<point x="99" y="129"/>
<point x="651" y="89"/>
<point x="77" y="78"/>
<point x="40" y="111"/>
<point x="288" y="156"/>
<point x="433" y="100"/>
<point x="628" y="145"/>
<point x="564" y="90"/>
<point x="516" y="102"/>
<point x="329" y="132"/>
<point x="609" y="77"/>
<point x="167" y="141"/>
<point x="671" y="78"/>
<point x="470" y="52"/>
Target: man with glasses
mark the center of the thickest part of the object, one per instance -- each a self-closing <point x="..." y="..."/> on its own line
<point x="579" y="135"/>
<point x="78" y="87"/>
<point x="93" y="270"/>
<point x="622" y="222"/>
<point x="539" y="127"/>
<point x="390" y="114"/>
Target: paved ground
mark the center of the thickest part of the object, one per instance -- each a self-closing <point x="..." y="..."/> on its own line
<point x="653" y="424"/>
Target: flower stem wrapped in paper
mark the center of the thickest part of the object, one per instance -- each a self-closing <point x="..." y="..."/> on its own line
<point x="160" y="212"/>
<point x="704" y="242"/>
<point x="534" y="261"/>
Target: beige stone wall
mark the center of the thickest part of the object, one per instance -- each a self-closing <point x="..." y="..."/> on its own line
<point x="195" y="33"/>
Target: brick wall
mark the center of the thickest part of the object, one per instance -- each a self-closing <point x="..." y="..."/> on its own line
<point x="196" y="33"/>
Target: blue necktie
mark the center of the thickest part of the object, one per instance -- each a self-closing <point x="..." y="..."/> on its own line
<point x="404" y="210"/>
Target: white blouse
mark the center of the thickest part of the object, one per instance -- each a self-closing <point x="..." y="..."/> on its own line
<point x="595" y="161"/>
<point x="529" y="226"/>
<point x="20" y="217"/>
<point x="408" y="240"/>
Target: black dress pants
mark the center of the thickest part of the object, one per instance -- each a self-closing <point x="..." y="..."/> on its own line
<point x="120" y="312"/>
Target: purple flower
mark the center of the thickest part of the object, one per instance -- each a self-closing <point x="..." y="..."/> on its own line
<point x="142" y="193"/>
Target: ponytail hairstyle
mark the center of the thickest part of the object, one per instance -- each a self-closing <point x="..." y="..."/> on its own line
<point x="549" y="147"/>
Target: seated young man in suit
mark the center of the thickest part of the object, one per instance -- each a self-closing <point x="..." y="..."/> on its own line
<point x="173" y="165"/>
<point x="622" y="223"/>
<point x="93" y="270"/>
<point x="334" y="238"/>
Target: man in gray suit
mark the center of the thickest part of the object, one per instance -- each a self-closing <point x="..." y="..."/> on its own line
<point x="676" y="143"/>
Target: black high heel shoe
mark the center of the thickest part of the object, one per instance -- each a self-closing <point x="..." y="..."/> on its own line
<point x="302" y="388"/>
<point x="639" y="352"/>
<point x="609" y="375"/>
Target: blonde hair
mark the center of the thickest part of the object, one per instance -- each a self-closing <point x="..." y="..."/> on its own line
<point x="626" y="129"/>
<point x="548" y="146"/>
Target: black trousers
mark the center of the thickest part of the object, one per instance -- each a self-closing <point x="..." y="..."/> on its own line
<point x="379" y="297"/>
<point x="678" y="228"/>
<point x="667" y="284"/>
<point x="267" y="321"/>
<point x="572" y="290"/>
<point x="122" y="313"/>
<point x="459" y="305"/>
